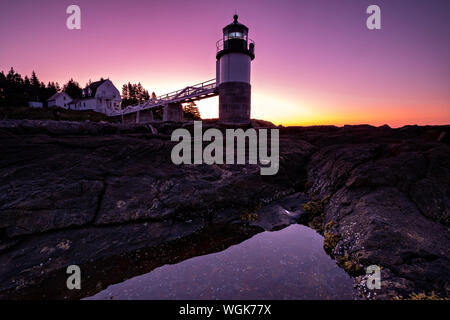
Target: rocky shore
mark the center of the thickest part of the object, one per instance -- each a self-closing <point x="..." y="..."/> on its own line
<point x="108" y="198"/>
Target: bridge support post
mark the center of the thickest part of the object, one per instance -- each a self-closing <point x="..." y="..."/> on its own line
<point x="144" y="116"/>
<point x="173" y="112"/>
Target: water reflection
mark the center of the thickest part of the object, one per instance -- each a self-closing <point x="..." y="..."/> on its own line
<point x="287" y="264"/>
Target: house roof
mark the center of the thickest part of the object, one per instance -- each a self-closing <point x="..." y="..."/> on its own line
<point x="56" y="95"/>
<point x="93" y="86"/>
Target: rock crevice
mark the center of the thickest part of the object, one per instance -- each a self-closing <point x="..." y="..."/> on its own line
<point x="89" y="193"/>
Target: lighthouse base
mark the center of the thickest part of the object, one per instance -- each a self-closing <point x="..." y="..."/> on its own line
<point x="234" y="102"/>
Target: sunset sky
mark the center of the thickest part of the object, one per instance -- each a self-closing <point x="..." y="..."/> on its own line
<point x="316" y="61"/>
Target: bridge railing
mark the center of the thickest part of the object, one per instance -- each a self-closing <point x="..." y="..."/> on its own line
<point x="205" y="87"/>
<point x="221" y="44"/>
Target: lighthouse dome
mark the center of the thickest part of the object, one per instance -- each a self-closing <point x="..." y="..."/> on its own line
<point x="235" y="27"/>
<point x="235" y="39"/>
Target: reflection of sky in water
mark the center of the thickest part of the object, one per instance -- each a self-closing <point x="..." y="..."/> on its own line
<point x="286" y="264"/>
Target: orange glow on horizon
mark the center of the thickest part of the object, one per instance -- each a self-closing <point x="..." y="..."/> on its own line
<point x="316" y="62"/>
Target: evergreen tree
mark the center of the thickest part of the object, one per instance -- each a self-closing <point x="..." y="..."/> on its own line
<point x="13" y="90"/>
<point x="133" y="94"/>
<point x="35" y="87"/>
<point x="73" y="89"/>
<point x="125" y="92"/>
<point x="17" y="92"/>
<point x="34" y="80"/>
<point x="51" y="89"/>
<point x="191" y="112"/>
<point x="3" y="83"/>
<point x="14" y="77"/>
<point x="27" y="88"/>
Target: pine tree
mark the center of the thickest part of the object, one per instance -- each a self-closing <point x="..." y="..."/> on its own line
<point x="13" y="89"/>
<point x="146" y="95"/>
<point x="27" y="88"/>
<point x="73" y="89"/>
<point x="133" y="94"/>
<point x="3" y="83"/>
<point x="34" y="80"/>
<point x="191" y="111"/>
<point x="50" y="90"/>
<point x="125" y="93"/>
<point x="35" y="87"/>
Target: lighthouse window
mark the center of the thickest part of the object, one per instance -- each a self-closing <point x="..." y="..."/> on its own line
<point x="235" y="35"/>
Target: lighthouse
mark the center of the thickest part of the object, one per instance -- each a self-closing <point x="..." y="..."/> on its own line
<point x="235" y="52"/>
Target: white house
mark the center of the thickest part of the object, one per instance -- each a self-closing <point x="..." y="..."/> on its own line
<point x="100" y="96"/>
<point x="59" y="99"/>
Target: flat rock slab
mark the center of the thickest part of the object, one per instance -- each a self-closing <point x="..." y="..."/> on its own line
<point x="105" y="195"/>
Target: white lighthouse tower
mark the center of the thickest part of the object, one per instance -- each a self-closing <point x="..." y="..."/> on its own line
<point x="235" y="51"/>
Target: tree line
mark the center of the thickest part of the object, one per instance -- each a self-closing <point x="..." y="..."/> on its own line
<point x="134" y="94"/>
<point x="16" y="91"/>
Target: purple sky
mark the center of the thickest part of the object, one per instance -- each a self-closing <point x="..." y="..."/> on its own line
<point x="316" y="62"/>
